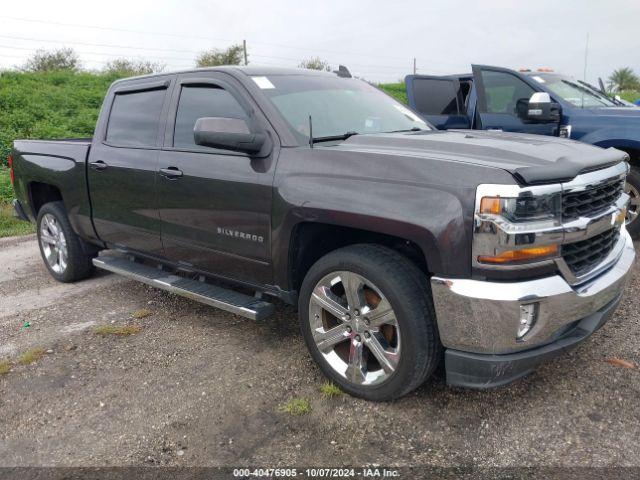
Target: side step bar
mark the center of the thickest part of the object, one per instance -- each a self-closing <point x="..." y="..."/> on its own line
<point x="218" y="297"/>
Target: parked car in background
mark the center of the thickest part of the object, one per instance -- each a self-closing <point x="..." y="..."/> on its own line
<point x="401" y="245"/>
<point x="537" y="102"/>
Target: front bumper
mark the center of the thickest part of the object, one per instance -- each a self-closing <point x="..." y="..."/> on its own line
<point x="474" y="370"/>
<point x="478" y="320"/>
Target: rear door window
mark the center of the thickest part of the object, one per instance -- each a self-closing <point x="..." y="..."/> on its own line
<point x="198" y="102"/>
<point x="436" y="96"/>
<point x="135" y="118"/>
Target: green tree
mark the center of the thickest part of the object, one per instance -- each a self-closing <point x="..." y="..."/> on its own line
<point x="52" y="60"/>
<point x="315" y="63"/>
<point x="234" y="55"/>
<point x="124" y="67"/>
<point x="623" y="79"/>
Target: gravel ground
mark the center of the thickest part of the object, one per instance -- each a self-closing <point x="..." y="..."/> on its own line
<point x="200" y="387"/>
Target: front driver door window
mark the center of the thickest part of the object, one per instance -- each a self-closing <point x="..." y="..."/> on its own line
<point x="498" y="94"/>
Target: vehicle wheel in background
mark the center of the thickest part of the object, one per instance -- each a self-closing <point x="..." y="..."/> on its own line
<point x="632" y="188"/>
<point x="367" y="318"/>
<point x="60" y="247"/>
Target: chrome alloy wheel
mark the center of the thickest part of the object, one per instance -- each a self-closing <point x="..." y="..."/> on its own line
<point x="355" y="328"/>
<point x="53" y="243"/>
<point x="634" y="203"/>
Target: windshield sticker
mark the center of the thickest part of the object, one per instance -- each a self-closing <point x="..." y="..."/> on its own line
<point x="263" y="82"/>
<point x="538" y="79"/>
<point x="404" y="110"/>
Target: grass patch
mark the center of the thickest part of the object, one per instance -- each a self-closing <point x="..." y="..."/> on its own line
<point x="142" y="313"/>
<point x="330" y="390"/>
<point x="6" y="189"/>
<point x="31" y="356"/>
<point x="396" y="90"/>
<point x="122" y="331"/>
<point x="296" y="407"/>
<point x="629" y="96"/>
<point x="5" y="367"/>
<point x="10" y="226"/>
<point x="49" y="105"/>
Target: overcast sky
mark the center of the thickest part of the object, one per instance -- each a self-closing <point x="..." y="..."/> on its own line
<point x="377" y="40"/>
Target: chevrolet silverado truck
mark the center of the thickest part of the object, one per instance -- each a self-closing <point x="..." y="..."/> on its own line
<point x="538" y="102"/>
<point x="402" y="246"/>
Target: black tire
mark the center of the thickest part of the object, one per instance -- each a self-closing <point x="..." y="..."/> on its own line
<point x="407" y="290"/>
<point x="78" y="265"/>
<point x="633" y="181"/>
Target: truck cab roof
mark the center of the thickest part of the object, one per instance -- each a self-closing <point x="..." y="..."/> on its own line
<point x="249" y="71"/>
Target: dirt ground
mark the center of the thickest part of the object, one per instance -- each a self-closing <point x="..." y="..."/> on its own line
<point x="200" y="387"/>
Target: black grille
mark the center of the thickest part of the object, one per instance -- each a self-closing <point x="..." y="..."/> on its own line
<point x="582" y="256"/>
<point x="591" y="201"/>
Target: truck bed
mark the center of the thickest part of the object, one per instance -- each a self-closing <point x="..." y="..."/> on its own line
<point x="59" y="164"/>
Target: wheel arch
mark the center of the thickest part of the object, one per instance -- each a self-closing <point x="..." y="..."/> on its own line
<point x="42" y="193"/>
<point x="310" y="241"/>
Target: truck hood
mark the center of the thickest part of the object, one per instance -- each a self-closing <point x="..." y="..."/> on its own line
<point x="626" y="113"/>
<point x="531" y="159"/>
<point x="615" y="112"/>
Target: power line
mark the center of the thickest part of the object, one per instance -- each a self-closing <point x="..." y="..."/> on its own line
<point x="104" y="54"/>
<point x="191" y="65"/>
<point x="129" y="47"/>
<point x="165" y="34"/>
<point x="112" y="29"/>
<point x="30" y="39"/>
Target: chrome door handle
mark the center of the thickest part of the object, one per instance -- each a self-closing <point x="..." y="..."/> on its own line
<point x="172" y="173"/>
<point x="99" y="165"/>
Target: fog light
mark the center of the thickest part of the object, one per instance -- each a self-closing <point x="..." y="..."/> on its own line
<point x="528" y="317"/>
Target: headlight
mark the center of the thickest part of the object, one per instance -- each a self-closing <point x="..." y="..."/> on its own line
<point x="516" y="226"/>
<point x="522" y="209"/>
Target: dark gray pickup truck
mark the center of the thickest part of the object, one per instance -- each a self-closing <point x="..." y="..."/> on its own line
<point x="401" y="245"/>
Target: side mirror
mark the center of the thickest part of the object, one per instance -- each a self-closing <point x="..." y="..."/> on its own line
<point x="227" y="134"/>
<point x="538" y="109"/>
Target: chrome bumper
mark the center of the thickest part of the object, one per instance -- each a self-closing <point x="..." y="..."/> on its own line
<point x="483" y="316"/>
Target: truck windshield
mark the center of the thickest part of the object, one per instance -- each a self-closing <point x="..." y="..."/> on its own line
<point x="574" y="93"/>
<point x="336" y="106"/>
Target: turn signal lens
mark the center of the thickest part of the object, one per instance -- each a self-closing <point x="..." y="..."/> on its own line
<point x="523" y="255"/>
<point x="490" y="205"/>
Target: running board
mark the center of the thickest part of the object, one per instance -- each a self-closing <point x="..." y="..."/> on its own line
<point x="222" y="298"/>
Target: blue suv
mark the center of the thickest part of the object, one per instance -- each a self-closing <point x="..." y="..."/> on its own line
<point x="540" y="102"/>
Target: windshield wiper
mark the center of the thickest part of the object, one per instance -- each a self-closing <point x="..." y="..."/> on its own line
<point x="412" y="129"/>
<point x="331" y="138"/>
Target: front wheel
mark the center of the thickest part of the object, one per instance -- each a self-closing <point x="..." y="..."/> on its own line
<point x="632" y="188"/>
<point x="367" y="318"/>
<point x="61" y="248"/>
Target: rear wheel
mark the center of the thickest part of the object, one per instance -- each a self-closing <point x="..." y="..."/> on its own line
<point x="61" y="249"/>
<point x="367" y="318"/>
<point x="632" y="188"/>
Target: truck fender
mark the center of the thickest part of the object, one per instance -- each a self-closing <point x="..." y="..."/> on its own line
<point x="622" y="138"/>
<point x="429" y="217"/>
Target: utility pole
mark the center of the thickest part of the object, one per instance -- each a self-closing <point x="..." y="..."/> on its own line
<point x="414" y="65"/>
<point x="244" y="49"/>
<point x="586" y="51"/>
